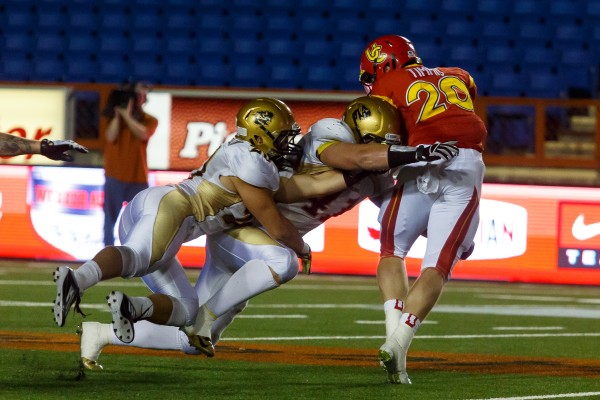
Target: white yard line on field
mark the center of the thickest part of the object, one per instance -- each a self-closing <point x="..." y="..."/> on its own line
<point x="547" y="396"/>
<point x="528" y="328"/>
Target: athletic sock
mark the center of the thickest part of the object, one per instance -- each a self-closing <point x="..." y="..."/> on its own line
<point x="409" y="324"/>
<point x="151" y="336"/>
<point x="393" y="311"/>
<point x="87" y="275"/>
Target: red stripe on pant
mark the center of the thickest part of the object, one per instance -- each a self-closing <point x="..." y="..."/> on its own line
<point x="457" y="236"/>
<point x="388" y="223"/>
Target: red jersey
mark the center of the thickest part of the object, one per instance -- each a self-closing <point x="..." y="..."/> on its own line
<point x="436" y="104"/>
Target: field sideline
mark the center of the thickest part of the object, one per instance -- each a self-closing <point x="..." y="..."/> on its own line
<point x="316" y="337"/>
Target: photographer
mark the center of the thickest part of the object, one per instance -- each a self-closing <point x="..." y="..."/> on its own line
<point x="125" y="160"/>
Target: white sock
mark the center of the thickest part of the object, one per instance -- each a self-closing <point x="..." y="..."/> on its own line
<point x="152" y="336"/>
<point x="393" y="311"/>
<point x="87" y="275"/>
<point x="252" y="279"/>
<point x="409" y="324"/>
<point x="143" y="306"/>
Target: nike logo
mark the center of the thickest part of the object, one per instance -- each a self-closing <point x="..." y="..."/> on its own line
<point x="581" y="231"/>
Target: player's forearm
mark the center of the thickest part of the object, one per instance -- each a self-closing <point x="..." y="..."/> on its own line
<point x="305" y="186"/>
<point x="11" y="145"/>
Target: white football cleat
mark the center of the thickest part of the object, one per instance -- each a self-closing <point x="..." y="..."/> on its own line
<point x="123" y="316"/>
<point x="93" y="337"/>
<point x="67" y="293"/>
<point x="393" y="358"/>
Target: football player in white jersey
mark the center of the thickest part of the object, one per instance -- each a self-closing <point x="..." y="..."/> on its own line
<point x="234" y="268"/>
<point x="237" y="183"/>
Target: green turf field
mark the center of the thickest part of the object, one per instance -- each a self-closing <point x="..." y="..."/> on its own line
<point x="482" y="341"/>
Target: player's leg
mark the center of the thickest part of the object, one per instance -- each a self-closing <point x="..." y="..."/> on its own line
<point x="258" y="264"/>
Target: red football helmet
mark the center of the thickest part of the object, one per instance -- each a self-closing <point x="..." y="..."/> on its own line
<point x="385" y="53"/>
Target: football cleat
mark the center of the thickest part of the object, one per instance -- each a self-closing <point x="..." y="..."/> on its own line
<point x="201" y="343"/>
<point x="123" y="316"/>
<point x="67" y="293"/>
<point x="393" y="358"/>
<point x="91" y="343"/>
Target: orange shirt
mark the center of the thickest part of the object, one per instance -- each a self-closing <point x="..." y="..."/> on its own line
<point x="436" y="104"/>
<point x="125" y="159"/>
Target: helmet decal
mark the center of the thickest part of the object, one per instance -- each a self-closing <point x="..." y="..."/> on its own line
<point x="374" y="54"/>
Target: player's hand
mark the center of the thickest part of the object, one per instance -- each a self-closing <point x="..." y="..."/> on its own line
<point x="437" y="151"/>
<point x="306" y="259"/>
<point x="58" y="149"/>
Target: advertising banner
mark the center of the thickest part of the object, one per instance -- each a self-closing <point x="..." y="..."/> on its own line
<point x="33" y="113"/>
<point x="527" y="233"/>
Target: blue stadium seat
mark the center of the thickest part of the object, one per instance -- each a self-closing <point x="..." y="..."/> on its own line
<point x="185" y="73"/>
<point x="526" y="7"/>
<point x="458" y="6"/>
<point x="562" y="8"/>
<point x="20" y="17"/>
<point x="543" y="84"/>
<point x="569" y="34"/>
<point x="539" y="32"/>
<point x="114" y="70"/>
<point x="82" y="42"/>
<point x="148" y="70"/>
<point x="593" y="8"/>
<point x="50" y="42"/>
<point x="148" y="45"/>
<point x="284" y="75"/>
<point x="495" y="7"/>
<point x="502" y="55"/>
<point x="82" y="16"/>
<point x="115" y="18"/>
<point x="536" y="56"/>
<point x="50" y="15"/>
<point x="82" y="70"/>
<point x="505" y="83"/>
<point x="49" y="69"/>
<point x="147" y="18"/>
<point x="19" y="42"/>
<point x="17" y="67"/>
<point x="115" y="43"/>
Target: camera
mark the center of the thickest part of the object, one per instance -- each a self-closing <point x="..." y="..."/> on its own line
<point x="120" y="98"/>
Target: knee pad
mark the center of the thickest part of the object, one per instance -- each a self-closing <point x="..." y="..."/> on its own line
<point x="130" y="261"/>
<point x="285" y="264"/>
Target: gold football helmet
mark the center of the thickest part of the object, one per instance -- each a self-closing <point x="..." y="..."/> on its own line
<point x="268" y="124"/>
<point x="372" y="119"/>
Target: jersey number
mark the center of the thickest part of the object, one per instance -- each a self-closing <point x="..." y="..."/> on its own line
<point x="454" y="91"/>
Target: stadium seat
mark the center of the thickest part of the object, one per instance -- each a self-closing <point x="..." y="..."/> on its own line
<point x="149" y="70"/>
<point x="17" y="67"/>
<point x="82" y="70"/>
<point x="494" y="7"/>
<point x="49" y="69"/>
<point x="543" y="84"/>
<point x="506" y="83"/>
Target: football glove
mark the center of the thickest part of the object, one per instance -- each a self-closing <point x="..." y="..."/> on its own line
<point x="58" y="149"/>
<point x="437" y="151"/>
<point x="306" y="259"/>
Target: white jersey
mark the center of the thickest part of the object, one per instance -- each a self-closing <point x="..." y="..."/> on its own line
<point x="309" y="214"/>
<point x="215" y="207"/>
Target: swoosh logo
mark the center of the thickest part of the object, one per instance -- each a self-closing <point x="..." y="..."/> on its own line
<point x="581" y="231"/>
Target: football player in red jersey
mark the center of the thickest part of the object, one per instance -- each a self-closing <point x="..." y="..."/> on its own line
<point x="439" y="200"/>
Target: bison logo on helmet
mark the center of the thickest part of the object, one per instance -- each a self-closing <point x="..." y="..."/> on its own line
<point x="361" y="113"/>
<point x="263" y="118"/>
<point x="375" y="55"/>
